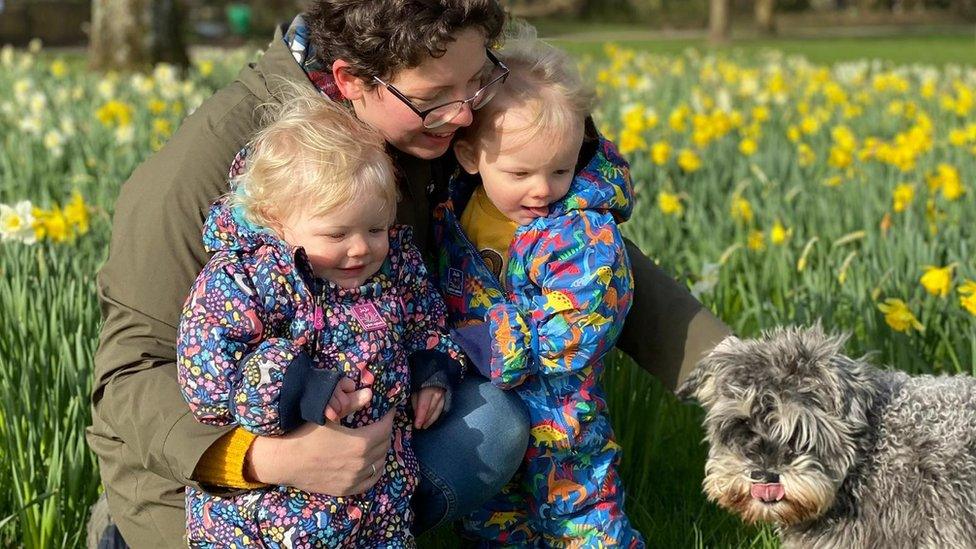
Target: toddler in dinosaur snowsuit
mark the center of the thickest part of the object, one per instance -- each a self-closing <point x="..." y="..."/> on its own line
<point x="311" y="295"/>
<point x="537" y="282"/>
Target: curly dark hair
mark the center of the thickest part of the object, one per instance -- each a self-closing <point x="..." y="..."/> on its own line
<point x="381" y="37"/>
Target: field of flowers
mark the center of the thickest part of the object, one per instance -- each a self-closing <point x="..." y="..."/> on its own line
<point x="780" y="190"/>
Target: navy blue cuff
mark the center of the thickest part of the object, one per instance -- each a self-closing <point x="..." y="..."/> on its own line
<point x="426" y="364"/>
<point x="305" y="392"/>
<point x="475" y="341"/>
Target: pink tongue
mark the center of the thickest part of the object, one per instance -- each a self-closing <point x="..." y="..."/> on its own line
<point x="768" y="493"/>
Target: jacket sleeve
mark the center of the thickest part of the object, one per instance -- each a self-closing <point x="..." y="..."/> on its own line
<point x="574" y="314"/>
<point x="435" y="359"/>
<point x="232" y="371"/>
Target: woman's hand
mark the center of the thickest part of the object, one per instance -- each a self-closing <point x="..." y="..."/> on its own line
<point x="328" y="459"/>
<point x="427" y="406"/>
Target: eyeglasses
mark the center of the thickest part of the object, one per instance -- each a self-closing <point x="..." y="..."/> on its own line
<point x="442" y="114"/>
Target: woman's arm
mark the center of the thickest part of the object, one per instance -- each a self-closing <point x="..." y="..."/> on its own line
<point x="667" y="330"/>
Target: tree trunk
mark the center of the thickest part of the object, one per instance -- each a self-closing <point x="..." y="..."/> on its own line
<point x="765" y="12"/>
<point x="166" y="42"/>
<point x="718" y="21"/>
<point x="135" y="34"/>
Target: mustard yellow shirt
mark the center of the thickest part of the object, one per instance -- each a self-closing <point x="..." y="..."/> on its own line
<point x="223" y="463"/>
<point x="489" y="230"/>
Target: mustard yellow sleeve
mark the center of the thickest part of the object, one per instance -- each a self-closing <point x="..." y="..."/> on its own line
<point x="223" y="462"/>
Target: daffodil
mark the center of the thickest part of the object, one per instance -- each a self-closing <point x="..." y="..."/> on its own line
<point x="937" y="280"/>
<point x="114" y="114"/>
<point x="631" y="141"/>
<point x="805" y="155"/>
<point x="76" y="213"/>
<point x="903" y="196"/>
<point x="689" y="161"/>
<point x="54" y="142"/>
<point x="748" y="147"/>
<point x="51" y="225"/>
<point x="760" y="113"/>
<point x="946" y="180"/>
<point x="670" y="203"/>
<point x="660" y="152"/>
<point x="756" y="241"/>
<point x="156" y="106"/>
<point x="205" y="67"/>
<point x="741" y="210"/>
<point x="17" y="222"/>
<point x="967" y="296"/>
<point x="833" y="181"/>
<point x="59" y="68"/>
<point x="898" y="316"/>
<point x="779" y="234"/>
<point x="678" y="119"/>
<point x="162" y="127"/>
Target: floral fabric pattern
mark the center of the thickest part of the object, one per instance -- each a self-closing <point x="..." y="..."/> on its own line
<point x="253" y="314"/>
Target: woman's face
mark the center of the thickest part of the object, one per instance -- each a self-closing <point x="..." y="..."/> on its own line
<point x="456" y="75"/>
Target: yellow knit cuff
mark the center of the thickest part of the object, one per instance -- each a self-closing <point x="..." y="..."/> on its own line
<point x="223" y="463"/>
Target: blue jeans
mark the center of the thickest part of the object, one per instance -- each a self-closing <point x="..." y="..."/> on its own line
<point x="465" y="458"/>
<point x="469" y="454"/>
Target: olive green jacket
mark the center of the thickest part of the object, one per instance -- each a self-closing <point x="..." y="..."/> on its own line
<point x="147" y="442"/>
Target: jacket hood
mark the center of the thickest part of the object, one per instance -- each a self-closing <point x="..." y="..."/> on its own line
<point x="602" y="184"/>
<point x="228" y="229"/>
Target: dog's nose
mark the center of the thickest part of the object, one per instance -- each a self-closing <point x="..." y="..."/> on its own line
<point x="764" y="476"/>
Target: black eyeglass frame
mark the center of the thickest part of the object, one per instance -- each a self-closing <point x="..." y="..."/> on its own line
<point x="423" y="113"/>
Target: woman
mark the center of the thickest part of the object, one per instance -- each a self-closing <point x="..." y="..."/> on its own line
<point x="413" y="70"/>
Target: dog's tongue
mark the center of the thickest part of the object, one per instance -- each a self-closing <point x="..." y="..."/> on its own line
<point x="768" y="493"/>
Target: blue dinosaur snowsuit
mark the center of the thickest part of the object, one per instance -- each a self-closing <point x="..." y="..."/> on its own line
<point x="567" y="289"/>
<point x="262" y="344"/>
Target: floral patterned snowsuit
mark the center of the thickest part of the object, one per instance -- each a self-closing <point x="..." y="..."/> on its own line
<point x="262" y="344"/>
<point x="567" y="289"/>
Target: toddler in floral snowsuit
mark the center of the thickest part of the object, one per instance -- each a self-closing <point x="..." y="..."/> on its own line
<point x="310" y="296"/>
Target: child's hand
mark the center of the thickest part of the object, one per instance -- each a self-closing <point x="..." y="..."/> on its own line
<point x="346" y="400"/>
<point x="427" y="406"/>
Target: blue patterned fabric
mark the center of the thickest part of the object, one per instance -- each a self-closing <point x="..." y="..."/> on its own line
<point x="569" y="289"/>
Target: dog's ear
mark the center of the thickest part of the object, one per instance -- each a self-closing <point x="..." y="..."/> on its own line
<point x="700" y="385"/>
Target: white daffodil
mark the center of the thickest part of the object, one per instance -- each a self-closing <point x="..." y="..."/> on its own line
<point x="31" y="124"/>
<point x="7" y="56"/>
<point x="54" y="143"/>
<point x="707" y="281"/>
<point x="124" y="134"/>
<point x="17" y="222"/>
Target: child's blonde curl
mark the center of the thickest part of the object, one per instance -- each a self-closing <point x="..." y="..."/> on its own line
<point x="543" y="79"/>
<point x="311" y="157"/>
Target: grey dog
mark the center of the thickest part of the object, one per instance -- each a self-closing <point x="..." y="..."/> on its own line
<point x="836" y="452"/>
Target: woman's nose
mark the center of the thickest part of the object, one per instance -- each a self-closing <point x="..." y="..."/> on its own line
<point x="464" y="117"/>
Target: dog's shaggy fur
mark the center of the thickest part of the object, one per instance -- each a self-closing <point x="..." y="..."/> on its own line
<point x="835" y="452"/>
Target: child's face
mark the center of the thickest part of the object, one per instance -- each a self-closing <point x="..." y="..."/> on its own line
<point x="521" y="176"/>
<point x="346" y="245"/>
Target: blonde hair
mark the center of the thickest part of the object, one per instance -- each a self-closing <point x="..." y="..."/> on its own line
<point x="312" y="156"/>
<point x="544" y="79"/>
